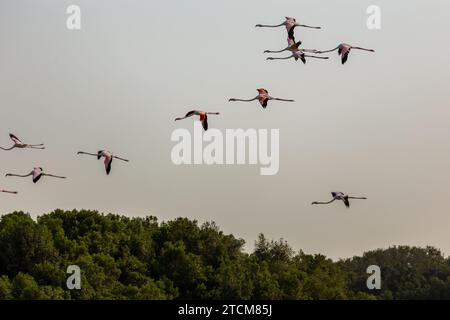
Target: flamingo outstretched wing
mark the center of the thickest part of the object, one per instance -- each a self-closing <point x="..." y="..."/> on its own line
<point x="15" y="139"/>
<point x="37" y="174"/>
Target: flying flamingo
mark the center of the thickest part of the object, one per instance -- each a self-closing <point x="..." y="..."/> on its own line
<point x="19" y="144"/>
<point x="6" y="191"/>
<point x="344" y="50"/>
<point x="108" y="158"/>
<point x="37" y="174"/>
<point x="290" y="24"/>
<point x="263" y="97"/>
<point x="340" y="196"/>
<point x="292" y="46"/>
<point x="299" y="54"/>
<point x="202" y="114"/>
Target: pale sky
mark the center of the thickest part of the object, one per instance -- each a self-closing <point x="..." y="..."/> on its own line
<point x="376" y="127"/>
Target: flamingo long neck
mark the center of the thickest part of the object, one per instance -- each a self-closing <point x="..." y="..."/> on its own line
<point x="19" y="175"/>
<point x="89" y="154"/>
<point x="330" y="50"/>
<point x="278" y="51"/>
<point x="271" y="26"/>
<point x="245" y="100"/>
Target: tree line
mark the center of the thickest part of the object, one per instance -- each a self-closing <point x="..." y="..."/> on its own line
<point x="140" y="258"/>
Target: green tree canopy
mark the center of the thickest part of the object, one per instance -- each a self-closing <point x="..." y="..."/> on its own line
<point x="140" y="258"/>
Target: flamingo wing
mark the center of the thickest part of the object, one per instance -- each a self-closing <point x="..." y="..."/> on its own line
<point x="291" y="32"/>
<point x="191" y="113"/>
<point x="263" y="101"/>
<point x="302" y="57"/>
<point x="346" y="202"/>
<point x="15" y="139"/>
<point x="205" y="123"/>
<point x="37" y="174"/>
<point x="344" y="57"/>
<point x="108" y="161"/>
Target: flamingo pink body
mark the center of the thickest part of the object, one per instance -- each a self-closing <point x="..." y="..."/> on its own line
<point x="263" y="97"/>
<point x="290" y="25"/>
<point x="108" y="160"/>
<point x="203" y="117"/>
<point x="36" y="173"/>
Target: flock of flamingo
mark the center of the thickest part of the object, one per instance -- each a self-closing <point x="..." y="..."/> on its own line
<point x="38" y="172"/>
<point x="263" y="97"/>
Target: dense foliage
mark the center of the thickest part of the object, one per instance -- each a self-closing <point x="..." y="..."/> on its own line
<point x="139" y="258"/>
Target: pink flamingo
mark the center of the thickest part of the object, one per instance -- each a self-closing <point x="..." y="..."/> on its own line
<point x="108" y="158"/>
<point x="299" y="54"/>
<point x="20" y="145"/>
<point x="344" y="50"/>
<point x="202" y="114"/>
<point x="263" y="97"/>
<point x="37" y="174"/>
<point x="340" y="196"/>
<point x="292" y="46"/>
<point x="290" y="24"/>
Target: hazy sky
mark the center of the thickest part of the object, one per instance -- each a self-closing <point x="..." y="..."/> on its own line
<point x="378" y="126"/>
